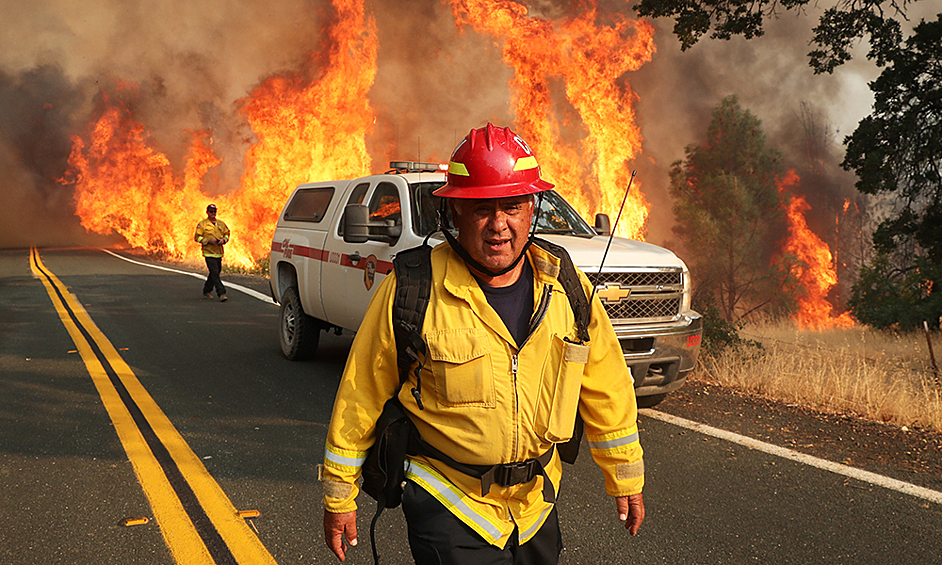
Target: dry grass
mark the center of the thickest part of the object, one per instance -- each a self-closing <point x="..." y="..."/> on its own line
<point x="882" y="376"/>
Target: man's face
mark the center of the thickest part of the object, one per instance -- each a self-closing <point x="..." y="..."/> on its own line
<point x="211" y="213"/>
<point x="493" y="231"/>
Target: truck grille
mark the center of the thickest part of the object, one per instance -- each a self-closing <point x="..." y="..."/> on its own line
<point x="655" y="296"/>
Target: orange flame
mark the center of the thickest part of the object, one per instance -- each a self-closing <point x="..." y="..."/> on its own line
<point x="312" y="125"/>
<point x="592" y="59"/>
<point x="124" y="185"/>
<point x="816" y="273"/>
<point x="308" y="127"/>
<point x="310" y="130"/>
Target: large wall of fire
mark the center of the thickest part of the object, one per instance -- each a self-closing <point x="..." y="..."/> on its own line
<point x="163" y="106"/>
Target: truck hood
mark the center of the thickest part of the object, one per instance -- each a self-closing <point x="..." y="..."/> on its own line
<point x="587" y="252"/>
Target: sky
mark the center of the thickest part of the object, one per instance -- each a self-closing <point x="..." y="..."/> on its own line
<point x="197" y="58"/>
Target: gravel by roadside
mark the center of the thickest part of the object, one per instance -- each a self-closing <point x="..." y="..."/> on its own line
<point x="910" y="455"/>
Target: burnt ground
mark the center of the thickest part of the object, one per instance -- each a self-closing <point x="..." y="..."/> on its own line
<point x="911" y="455"/>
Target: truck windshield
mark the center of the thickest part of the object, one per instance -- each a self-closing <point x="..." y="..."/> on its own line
<point x="555" y="214"/>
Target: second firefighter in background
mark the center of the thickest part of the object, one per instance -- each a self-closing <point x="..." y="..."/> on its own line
<point x="213" y="233"/>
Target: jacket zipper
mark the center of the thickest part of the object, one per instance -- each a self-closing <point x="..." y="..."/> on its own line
<point x="540" y="313"/>
<point x="535" y="322"/>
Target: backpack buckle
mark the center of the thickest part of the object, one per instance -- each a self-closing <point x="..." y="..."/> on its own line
<point x="511" y="474"/>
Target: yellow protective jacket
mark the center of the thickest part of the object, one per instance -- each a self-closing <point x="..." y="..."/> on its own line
<point x="487" y="399"/>
<point x="206" y="229"/>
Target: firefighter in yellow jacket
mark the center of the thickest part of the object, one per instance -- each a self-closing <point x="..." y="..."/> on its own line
<point x="504" y="377"/>
<point x="213" y="233"/>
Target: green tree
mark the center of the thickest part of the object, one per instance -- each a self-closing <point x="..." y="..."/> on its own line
<point x="837" y="32"/>
<point x="897" y="152"/>
<point x="886" y="296"/>
<point x="729" y="214"/>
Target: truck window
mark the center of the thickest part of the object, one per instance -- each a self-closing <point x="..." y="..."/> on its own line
<point x="356" y="197"/>
<point x="385" y="205"/>
<point x="425" y="210"/>
<point x="557" y="216"/>
<point x="309" y="204"/>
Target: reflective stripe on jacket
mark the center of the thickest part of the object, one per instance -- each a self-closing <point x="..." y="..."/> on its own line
<point x="205" y="230"/>
<point x="487" y="399"/>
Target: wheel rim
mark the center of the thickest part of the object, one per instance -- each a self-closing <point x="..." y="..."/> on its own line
<point x="289" y="323"/>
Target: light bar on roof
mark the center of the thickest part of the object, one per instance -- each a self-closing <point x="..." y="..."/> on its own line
<point x="413" y="167"/>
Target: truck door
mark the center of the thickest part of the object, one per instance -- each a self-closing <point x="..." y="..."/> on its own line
<point x="354" y="270"/>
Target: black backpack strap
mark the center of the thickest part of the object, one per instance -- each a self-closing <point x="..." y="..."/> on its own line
<point x="413" y="269"/>
<point x="413" y="288"/>
<point x="582" y="311"/>
<point x="384" y="473"/>
<point x="569" y="278"/>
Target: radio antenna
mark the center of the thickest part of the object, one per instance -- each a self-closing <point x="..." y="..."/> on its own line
<point x="612" y="235"/>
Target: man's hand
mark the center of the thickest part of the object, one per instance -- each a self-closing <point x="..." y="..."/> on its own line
<point x="631" y="511"/>
<point x="338" y="527"/>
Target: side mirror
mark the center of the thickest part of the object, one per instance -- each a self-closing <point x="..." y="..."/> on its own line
<point x="358" y="228"/>
<point x="356" y="223"/>
<point x="392" y="231"/>
<point x="602" y="224"/>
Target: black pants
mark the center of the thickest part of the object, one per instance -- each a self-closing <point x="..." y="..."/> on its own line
<point x="214" y="264"/>
<point x="437" y="537"/>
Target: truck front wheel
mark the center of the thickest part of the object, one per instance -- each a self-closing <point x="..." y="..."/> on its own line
<point x="299" y="332"/>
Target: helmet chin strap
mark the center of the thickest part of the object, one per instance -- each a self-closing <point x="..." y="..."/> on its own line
<point x="477" y="266"/>
<point x="463" y="253"/>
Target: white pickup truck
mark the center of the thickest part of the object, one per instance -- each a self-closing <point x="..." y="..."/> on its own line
<point x="335" y="241"/>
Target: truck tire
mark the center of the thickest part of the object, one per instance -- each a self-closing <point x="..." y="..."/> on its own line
<point x="299" y="332"/>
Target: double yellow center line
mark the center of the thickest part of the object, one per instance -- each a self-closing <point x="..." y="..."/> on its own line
<point x="197" y="519"/>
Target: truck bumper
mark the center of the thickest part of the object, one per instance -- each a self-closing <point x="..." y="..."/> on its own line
<point x="661" y="358"/>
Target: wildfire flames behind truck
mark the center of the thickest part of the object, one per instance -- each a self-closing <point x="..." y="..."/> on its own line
<point x="314" y="123"/>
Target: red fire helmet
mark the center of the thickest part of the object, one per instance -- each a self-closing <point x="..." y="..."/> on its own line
<point x="492" y="162"/>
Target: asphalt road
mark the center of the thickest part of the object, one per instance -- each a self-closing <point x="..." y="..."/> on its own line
<point x="203" y="417"/>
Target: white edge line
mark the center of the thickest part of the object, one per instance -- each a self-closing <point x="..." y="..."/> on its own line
<point x="253" y="293"/>
<point x="866" y="476"/>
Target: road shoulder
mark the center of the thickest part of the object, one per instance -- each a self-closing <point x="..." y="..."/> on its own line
<point x="911" y="455"/>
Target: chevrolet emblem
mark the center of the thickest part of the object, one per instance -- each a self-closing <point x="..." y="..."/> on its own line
<point x="613" y="293"/>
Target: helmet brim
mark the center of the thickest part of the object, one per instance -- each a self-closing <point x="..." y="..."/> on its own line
<point x="492" y="191"/>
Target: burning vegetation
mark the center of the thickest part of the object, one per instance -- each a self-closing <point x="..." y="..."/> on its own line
<point x="313" y="125"/>
<point x="590" y="59"/>
<point x="308" y="125"/>
<point x="815" y="271"/>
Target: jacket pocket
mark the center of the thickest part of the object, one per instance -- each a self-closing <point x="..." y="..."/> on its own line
<point x="461" y="367"/>
<point x="559" y="394"/>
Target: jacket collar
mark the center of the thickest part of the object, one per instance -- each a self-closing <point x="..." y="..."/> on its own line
<point x="461" y="284"/>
